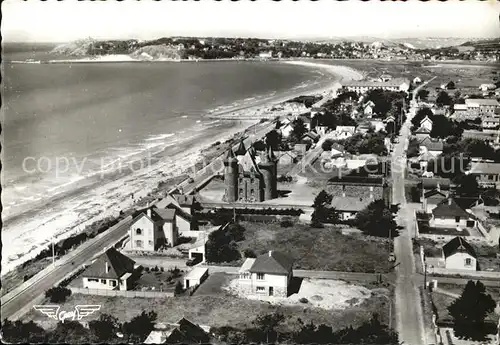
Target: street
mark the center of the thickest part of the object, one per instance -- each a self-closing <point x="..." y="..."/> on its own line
<point x="409" y="318"/>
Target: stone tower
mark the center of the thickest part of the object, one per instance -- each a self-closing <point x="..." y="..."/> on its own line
<point x="231" y="176"/>
<point x="267" y="168"/>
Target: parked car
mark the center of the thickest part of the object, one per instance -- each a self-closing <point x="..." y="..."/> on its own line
<point x="192" y="262"/>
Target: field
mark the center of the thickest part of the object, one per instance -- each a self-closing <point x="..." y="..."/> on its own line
<point x="214" y="307"/>
<point x="324" y="249"/>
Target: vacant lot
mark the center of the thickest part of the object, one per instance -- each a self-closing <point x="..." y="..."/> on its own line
<point x="324" y="249"/>
<point x="219" y="310"/>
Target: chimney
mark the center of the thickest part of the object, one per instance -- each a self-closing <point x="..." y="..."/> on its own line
<point x="449" y="200"/>
<point x="343" y="194"/>
<point x="371" y="195"/>
<point x="148" y="212"/>
<point x="270" y="253"/>
<point x="107" y="267"/>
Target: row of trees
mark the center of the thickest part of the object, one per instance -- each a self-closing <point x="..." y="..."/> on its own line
<point x="268" y="328"/>
<point x="102" y="330"/>
<point x="442" y="127"/>
<point x="221" y="245"/>
<point x="370" y="143"/>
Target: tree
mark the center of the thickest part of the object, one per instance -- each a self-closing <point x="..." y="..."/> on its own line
<point x="71" y="332"/>
<point x="420" y="115"/>
<point x="470" y="309"/>
<point x="327" y="145"/>
<point x="273" y="139"/>
<point x="422" y="94"/>
<point x="442" y="127"/>
<point x="467" y="186"/>
<point x="137" y="329"/>
<point x="322" y="199"/>
<point x="178" y="288"/>
<point x="443" y="99"/>
<point x="298" y="129"/>
<point x="20" y="332"/>
<point x="105" y="328"/>
<point x="323" y="213"/>
<point x="58" y="294"/>
<point x="268" y="324"/>
<point x="450" y="85"/>
<point x="376" y="220"/>
<point x="221" y="247"/>
<point x="413" y="148"/>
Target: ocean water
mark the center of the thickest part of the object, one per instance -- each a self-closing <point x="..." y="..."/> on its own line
<point x="64" y="125"/>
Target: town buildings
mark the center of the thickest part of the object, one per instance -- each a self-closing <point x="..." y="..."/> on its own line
<point x="249" y="177"/>
<point x="487" y="174"/>
<point x="458" y="254"/>
<point x="110" y="271"/>
<point x="269" y="274"/>
<point x="396" y="84"/>
<point x="153" y="229"/>
<point x="449" y="214"/>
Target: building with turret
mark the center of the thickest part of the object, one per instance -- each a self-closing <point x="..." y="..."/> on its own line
<point x="249" y="176"/>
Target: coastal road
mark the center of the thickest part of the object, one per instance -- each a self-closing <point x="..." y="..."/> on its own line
<point x="21" y="299"/>
<point x="409" y="318"/>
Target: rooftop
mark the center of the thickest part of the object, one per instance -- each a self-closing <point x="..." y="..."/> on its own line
<point x="196" y="273"/>
<point x="117" y="265"/>
<point x="481" y="101"/>
<point x="485" y="168"/>
<point x="365" y="83"/>
<point x="166" y="214"/>
<point x="272" y="263"/>
<point x="350" y="204"/>
<point x="458" y="244"/>
<point x="449" y="208"/>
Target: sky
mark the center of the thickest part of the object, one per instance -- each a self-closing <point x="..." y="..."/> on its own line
<point x="62" y="21"/>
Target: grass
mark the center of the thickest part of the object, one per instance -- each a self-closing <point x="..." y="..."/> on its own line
<point x="325" y="249"/>
<point x="442" y="301"/>
<point x="218" y="309"/>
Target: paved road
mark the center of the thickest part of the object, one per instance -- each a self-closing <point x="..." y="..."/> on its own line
<point x="13" y="303"/>
<point x="409" y="319"/>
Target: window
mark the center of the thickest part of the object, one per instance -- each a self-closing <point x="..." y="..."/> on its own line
<point x="138" y="231"/>
<point x="103" y="281"/>
<point x="150" y="243"/>
<point x="138" y="243"/>
<point x="252" y="192"/>
<point x="245" y="275"/>
<point x="468" y="262"/>
<point x="241" y="191"/>
<point x="457" y="219"/>
<point x="260" y="276"/>
<point x="112" y="283"/>
<point x="93" y="280"/>
<point x="252" y="180"/>
<point x="260" y="289"/>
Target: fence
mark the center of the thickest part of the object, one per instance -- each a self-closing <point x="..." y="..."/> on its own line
<point x="128" y="294"/>
<point x="464" y="273"/>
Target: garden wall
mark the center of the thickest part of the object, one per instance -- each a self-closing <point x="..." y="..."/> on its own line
<point x="127" y="294"/>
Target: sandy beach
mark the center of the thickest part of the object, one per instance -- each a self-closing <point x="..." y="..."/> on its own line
<point x="30" y="232"/>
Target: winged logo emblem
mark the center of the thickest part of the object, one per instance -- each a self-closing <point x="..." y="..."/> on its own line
<point x="80" y="311"/>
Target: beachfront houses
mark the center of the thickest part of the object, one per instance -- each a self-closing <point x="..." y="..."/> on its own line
<point x="269" y="274"/>
<point x="110" y="271"/>
<point x="363" y="86"/>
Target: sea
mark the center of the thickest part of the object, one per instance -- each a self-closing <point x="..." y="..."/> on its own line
<point x="65" y="123"/>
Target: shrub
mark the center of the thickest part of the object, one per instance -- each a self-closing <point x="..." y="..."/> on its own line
<point x="175" y="272"/>
<point x="249" y="253"/>
<point x="156" y="269"/>
<point x="162" y="269"/>
<point x="178" y="288"/>
<point x="303" y="300"/>
<point x="146" y="269"/>
<point x="286" y="223"/>
<point x="58" y="294"/>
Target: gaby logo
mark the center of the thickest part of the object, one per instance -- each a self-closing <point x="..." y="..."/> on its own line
<point x="79" y="313"/>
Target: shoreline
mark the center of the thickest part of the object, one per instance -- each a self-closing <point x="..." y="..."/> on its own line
<point x="63" y="215"/>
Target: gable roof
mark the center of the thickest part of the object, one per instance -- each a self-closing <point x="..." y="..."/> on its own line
<point x="118" y="265"/>
<point x="180" y="212"/>
<point x="433" y="182"/>
<point x="426" y="118"/>
<point x="169" y="199"/>
<point x="485" y="168"/>
<point x="449" y="208"/>
<point x="350" y="204"/>
<point x="165" y="214"/>
<point x="338" y="147"/>
<point x="423" y="129"/>
<point x="186" y="200"/>
<point x="142" y="215"/>
<point x="434" y="193"/>
<point x="241" y="150"/>
<point x="458" y="244"/>
<point x="272" y="263"/>
<point x="432" y="145"/>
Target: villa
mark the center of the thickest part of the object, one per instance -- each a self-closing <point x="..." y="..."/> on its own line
<point x="459" y="254"/>
<point x="268" y="275"/>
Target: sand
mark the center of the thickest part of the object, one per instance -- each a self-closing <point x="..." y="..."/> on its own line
<point x="27" y="235"/>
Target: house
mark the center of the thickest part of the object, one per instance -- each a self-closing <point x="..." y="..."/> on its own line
<point x="368" y="108"/>
<point x="480" y="135"/>
<point x="426" y="123"/>
<point x="286" y="157"/>
<point x="152" y="230"/>
<point x="306" y="119"/>
<point x="439" y="183"/>
<point x="487" y="174"/>
<point x="286" y="129"/>
<point x="364" y="127"/>
<point x="385" y="77"/>
<point x="362" y="86"/>
<point x="195" y="277"/>
<point x="344" y="132"/>
<point x="424" y="158"/>
<point x="267" y="275"/>
<point x="377" y="125"/>
<point x="360" y="187"/>
<point x="348" y="207"/>
<point x="422" y="133"/>
<point x="417" y="80"/>
<point x="487" y="87"/>
<point x="110" y="271"/>
<point x="310" y="137"/>
<point x="449" y="215"/>
<point x="198" y="249"/>
<point x="432" y="198"/>
<point x="482" y="105"/>
<point x="491" y="123"/>
<point x="185" y="206"/>
<point x="458" y="254"/>
<point x="433" y="146"/>
<point x="266" y="55"/>
<point x="337" y="151"/>
<point x="182" y="332"/>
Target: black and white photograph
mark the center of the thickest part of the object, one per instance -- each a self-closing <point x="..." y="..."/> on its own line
<point x="250" y="172"/>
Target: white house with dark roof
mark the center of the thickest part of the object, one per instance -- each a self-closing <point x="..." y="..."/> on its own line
<point x="267" y="275"/>
<point x="432" y="146"/>
<point x="109" y="271"/>
<point x="458" y="254"/>
<point x="487" y="174"/>
<point x="449" y="214"/>
<point x="426" y="123"/>
<point x="153" y="229"/>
